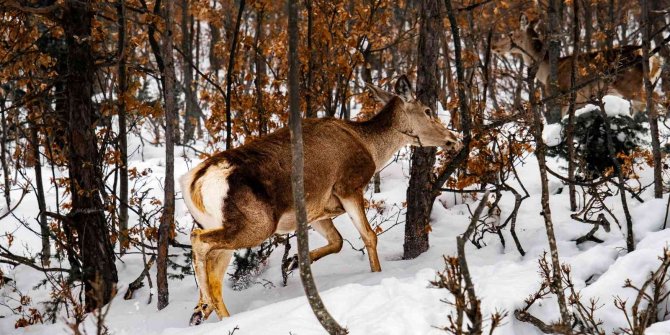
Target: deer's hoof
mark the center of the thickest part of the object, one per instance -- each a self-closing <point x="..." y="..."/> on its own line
<point x="197" y="318"/>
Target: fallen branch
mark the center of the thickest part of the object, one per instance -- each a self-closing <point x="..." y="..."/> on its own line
<point x="139" y="282"/>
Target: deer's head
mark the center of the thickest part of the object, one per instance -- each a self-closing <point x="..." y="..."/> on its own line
<point x="413" y="119"/>
<point x="525" y="41"/>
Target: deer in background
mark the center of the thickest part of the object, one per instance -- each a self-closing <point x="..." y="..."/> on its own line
<point x="242" y="196"/>
<point x="628" y="83"/>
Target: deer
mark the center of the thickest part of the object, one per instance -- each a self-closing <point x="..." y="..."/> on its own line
<point x="627" y="83"/>
<point x="242" y="196"/>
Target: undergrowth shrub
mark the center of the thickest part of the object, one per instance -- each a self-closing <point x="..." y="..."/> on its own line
<point x="590" y="142"/>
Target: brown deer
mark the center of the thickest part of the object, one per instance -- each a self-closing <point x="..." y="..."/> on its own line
<point x="242" y="196"/>
<point x="628" y="83"/>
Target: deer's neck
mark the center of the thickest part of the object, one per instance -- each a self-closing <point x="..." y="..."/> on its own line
<point x="543" y="70"/>
<point x="532" y="53"/>
<point x="382" y="135"/>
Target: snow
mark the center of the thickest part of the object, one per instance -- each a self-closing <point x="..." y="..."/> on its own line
<point x="552" y="134"/>
<point x="614" y="106"/>
<point x="399" y="300"/>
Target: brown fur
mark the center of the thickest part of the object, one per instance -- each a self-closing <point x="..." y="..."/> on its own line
<point x="264" y="178"/>
<point x="196" y="189"/>
<point x="627" y="83"/>
<point x="340" y="159"/>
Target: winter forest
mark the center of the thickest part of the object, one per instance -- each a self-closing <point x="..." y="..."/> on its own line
<point x="334" y="167"/>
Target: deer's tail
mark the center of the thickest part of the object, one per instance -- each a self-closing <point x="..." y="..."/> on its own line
<point x="204" y="189"/>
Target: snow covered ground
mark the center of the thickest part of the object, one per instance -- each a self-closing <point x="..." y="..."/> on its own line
<point x="399" y="300"/>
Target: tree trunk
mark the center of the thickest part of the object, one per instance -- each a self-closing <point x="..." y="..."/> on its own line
<point x="420" y="196"/>
<point x="310" y="112"/>
<point x="651" y="111"/>
<point x="229" y="77"/>
<point x="611" y="28"/>
<point x="658" y="24"/>
<point x="540" y="152"/>
<point x="366" y="74"/>
<point x="297" y="178"/>
<point x="190" y="113"/>
<point x="588" y="24"/>
<point x="461" y="158"/>
<point x="214" y="38"/>
<point x="39" y="188"/>
<point x="3" y="159"/>
<point x="87" y="212"/>
<point x="171" y="126"/>
<point x="571" y="111"/>
<point x="123" y="135"/>
<point x="554" y="52"/>
<point x="261" y="69"/>
<point x="158" y="51"/>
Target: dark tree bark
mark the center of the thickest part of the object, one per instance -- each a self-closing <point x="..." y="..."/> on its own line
<point x="651" y="110"/>
<point x="461" y="158"/>
<point x="123" y="136"/>
<point x="39" y="189"/>
<point x="196" y="28"/>
<point x="540" y="153"/>
<point x="571" y="111"/>
<point x="366" y="74"/>
<point x="611" y="27"/>
<point x="171" y="126"/>
<point x="297" y="178"/>
<point x="588" y="24"/>
<point x="3" y="159"/>
<point x="215" y="37"/>
<point x="229" y="76"/>
<point x="658" y="22"/>
<point x="554" y="52"/>
<point x="261" y="70"/>
<point x="310" y="112"/>
<point x="191" y="112"/>
<point x="158" y="52"/>
<point x="420" y="196"/>
<point x="87" y="213"/>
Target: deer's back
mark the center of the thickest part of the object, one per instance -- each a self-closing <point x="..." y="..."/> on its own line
<point x="593" y="64"/>
<point x="335" y="160"/>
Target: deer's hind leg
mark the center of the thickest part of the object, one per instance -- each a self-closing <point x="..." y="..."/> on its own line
<point x="204" y="307"/>
<point x="212" y="251"/>
<point x="210" y="279"/>
<point x="327" y="229"/>
<point x="217" y="263"/>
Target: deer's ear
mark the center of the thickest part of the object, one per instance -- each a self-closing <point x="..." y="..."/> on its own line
<point x="403" y="88"/>
<point x="379" y="94"/>
<point x="523" y="22"/>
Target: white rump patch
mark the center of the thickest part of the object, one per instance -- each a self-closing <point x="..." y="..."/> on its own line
<point x="214" y="191"/>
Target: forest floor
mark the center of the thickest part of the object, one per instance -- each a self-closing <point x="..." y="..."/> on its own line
<point x="399" y="300"/>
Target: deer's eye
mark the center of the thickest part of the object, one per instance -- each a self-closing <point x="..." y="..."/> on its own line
<point x="428" y="112"/>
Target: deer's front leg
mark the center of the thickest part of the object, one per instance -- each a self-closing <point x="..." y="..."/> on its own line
<point x="354" y="205"/>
